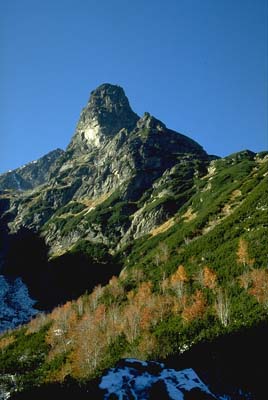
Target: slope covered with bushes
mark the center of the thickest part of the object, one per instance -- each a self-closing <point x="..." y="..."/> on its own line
<point x="202" y="276"/>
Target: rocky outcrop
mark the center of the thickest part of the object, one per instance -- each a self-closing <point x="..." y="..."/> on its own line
<point x="107" y="112"/>
<point x="32" y="174"/>
<point x="108" y="185"/>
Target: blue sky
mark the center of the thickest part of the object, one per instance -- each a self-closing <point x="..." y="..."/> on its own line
<point x="198" y="65"/>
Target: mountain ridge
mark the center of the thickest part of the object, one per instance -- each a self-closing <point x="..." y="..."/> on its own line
<point x="32" y="174"/>
<point x="137" y="244"/>
<point x="123" y="153"/>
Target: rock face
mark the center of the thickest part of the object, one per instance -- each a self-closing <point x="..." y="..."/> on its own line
<point x="31" y="175"/>
<point x="107" y="112"/>
<point x="119" y="178"/>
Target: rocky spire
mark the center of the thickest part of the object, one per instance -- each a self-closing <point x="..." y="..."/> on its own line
<point x="107" y="112"/>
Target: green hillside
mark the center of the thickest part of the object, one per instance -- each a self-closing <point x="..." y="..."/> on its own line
<point x="200" y="275"/>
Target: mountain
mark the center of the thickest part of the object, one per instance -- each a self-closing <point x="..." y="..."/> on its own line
<point x="114" y="157"/>
<point x="152" y="248"/>
<point x="30" y="175"/>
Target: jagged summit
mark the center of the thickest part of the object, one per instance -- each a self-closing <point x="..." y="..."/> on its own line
<point x="113" y="152"/>
<point x="150" y="122"/>
<point x="107" y="112"/>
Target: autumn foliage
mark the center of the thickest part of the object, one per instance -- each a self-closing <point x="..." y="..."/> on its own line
<point x="196" y="308"/>
<point x="243" y="254"/>
<point x="256" y="283"/>
<point x="209" y="278"/>
<point x="85" y="331"/>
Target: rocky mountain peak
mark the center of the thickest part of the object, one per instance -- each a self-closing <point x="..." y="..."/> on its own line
<point x="107" y="112"/>
<point x="150" y="122"/>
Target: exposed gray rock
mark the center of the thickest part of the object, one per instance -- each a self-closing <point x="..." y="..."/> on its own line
<point x="107" y="112"/>
<point x="120" y="167"/>
<point x="32" y="174"/>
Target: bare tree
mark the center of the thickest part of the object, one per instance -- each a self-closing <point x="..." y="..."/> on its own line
<point x="164" y="252"/>
<point x="222" y="307"/>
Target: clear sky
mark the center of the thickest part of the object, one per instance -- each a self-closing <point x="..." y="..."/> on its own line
<point x="200" y="66"/>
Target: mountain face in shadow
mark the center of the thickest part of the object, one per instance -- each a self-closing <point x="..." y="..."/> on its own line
<point x="54" y="281"/>
<point x="121" y="176"/>
<point x="226" y="368"/>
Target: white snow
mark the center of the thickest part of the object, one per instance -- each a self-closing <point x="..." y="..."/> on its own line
<point x="134" y="360"/>
<point x="16" y="306"/>
<point x="174" y="393"/>
<point x="187" y="379"/>
<point x="134" y="378"/>
<point x="92" y="134"/>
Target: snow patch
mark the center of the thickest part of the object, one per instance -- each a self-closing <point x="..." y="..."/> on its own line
<point x="16" y="306"/>
<point x="134" y="379"/>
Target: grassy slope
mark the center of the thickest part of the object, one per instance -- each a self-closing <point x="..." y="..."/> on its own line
<point x="152" y="310"/>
